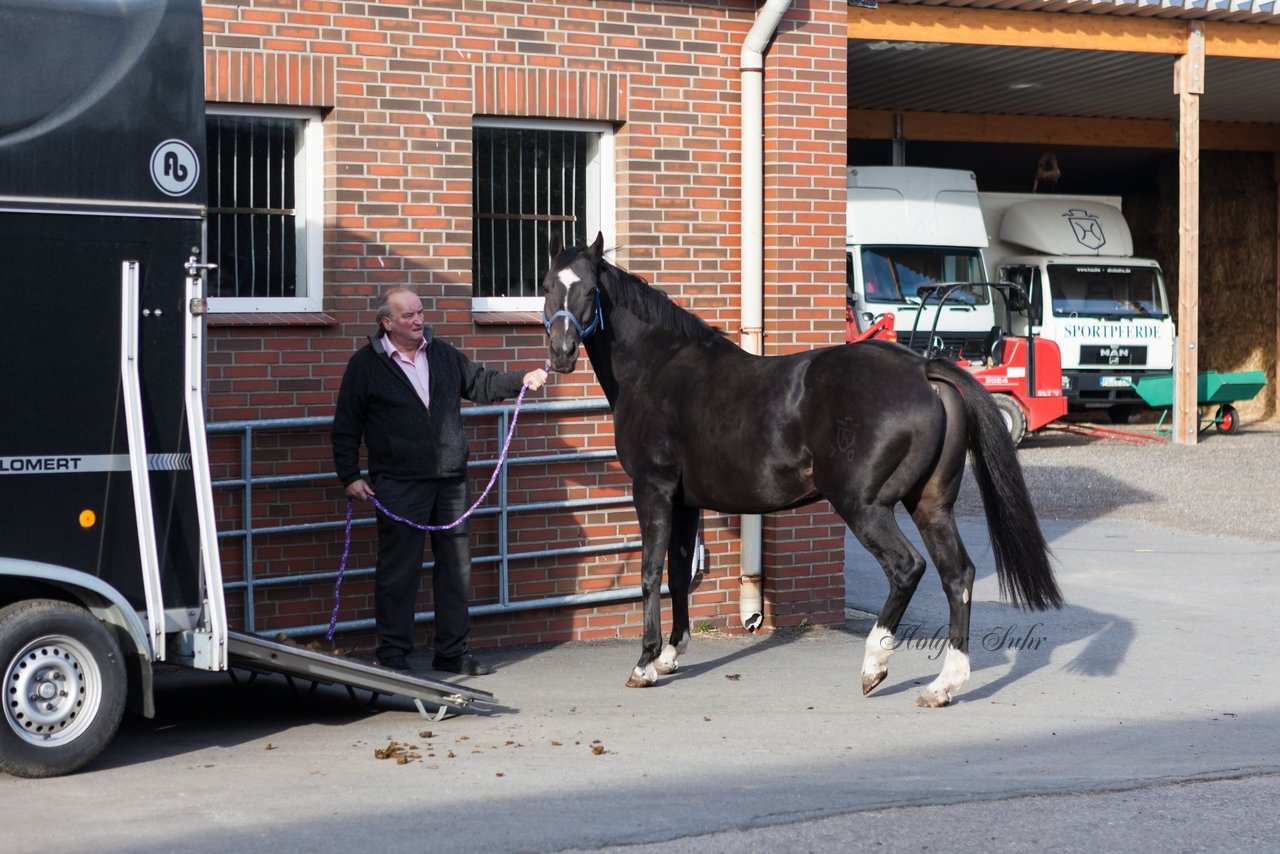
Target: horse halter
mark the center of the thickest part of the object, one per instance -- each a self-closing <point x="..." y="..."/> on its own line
<point x="597" y="322"/>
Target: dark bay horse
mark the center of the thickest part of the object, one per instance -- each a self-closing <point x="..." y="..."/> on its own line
<point x="700" y="423"/>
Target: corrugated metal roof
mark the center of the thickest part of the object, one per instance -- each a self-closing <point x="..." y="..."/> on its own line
<point x="1056" y="82"/>
<point x="1024" y="81"/>
<point x="1240" y="11"/>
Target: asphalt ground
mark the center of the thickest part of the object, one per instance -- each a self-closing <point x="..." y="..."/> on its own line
<point x="1145" y="715"/>
<point x="1225" y="485"/>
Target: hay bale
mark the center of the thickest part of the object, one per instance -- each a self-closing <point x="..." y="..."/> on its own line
<point x="1237" y="323"/>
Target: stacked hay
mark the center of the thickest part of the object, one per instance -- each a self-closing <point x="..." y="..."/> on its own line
<point x="1237" y="323"/>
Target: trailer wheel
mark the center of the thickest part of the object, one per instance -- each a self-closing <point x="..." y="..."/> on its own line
<point x="1015" y="420"/>
<point x="64" y="687"/>
<point x="1227" y="420"/>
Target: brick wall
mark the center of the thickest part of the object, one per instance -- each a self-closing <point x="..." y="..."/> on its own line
<point x="399" y="82"/>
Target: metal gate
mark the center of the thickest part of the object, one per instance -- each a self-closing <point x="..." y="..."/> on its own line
<point x="498" y="504"/>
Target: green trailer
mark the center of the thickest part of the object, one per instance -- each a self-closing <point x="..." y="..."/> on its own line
<point x="1212" y="389"/>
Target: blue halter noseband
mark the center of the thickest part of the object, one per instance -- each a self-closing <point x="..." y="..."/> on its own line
<point x="597" y="322"/>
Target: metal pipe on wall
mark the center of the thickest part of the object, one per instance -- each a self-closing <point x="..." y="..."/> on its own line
<point x="750" y="596"/>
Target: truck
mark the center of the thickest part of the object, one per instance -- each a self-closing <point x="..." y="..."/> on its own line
<point x="910" y="229"/>
<point x="109" y="560"/>
<point x="1106" y="309"/>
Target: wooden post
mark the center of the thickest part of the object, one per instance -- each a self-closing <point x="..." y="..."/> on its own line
<point x="1275" y="412"/>
<point x="1188" y="83"/>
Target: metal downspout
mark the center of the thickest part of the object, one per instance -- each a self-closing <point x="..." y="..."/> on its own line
<point x="751" y="592"/>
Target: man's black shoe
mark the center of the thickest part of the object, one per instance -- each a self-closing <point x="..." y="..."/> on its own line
<point x="396" y="662"/>
<point x="465" y="664"/>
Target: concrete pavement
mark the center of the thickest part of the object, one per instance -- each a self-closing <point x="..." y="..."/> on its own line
<point x="1078" y="727"/>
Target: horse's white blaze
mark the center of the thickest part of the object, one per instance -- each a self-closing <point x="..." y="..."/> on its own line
<point x="879" y="648"/>
<point x="955" y="672"/>
<point x="568" y="278"/>
<point x="964" y="597"/>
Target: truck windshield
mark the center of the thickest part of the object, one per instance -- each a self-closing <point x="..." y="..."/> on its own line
<point x="895" y="273"/>
<point x="1106" y="291"/>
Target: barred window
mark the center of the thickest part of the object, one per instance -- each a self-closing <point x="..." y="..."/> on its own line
<point x="531" y="180"/>
<point x="264" y="227"/>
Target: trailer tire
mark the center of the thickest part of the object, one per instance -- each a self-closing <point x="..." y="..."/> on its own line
<point x="1014" y="418"/>
<point x="48" y="730"/>
<point x="1227" y="420"/>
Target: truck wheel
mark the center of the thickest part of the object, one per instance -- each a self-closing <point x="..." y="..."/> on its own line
<point x="1227" y="420"/>
<point x="1014" y="418"/>
<point x="1122" y="413"/>
<point x="64" y="687"/>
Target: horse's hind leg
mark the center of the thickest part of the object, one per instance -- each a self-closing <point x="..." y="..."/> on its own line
<point x="932" y="510"/>
<point x="878" y="531"/>
<point x="942" y="539"/>
<point x="684" y="534"/>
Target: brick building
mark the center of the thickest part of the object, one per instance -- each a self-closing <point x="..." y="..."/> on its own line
<point x="354" y="146"/>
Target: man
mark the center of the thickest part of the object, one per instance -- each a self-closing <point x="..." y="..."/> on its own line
<point x="401" y="394"/>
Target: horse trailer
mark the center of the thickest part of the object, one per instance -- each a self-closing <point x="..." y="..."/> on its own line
<point x="108" y="550"/>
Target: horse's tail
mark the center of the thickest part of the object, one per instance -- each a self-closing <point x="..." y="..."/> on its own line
<point x="1021" y="553"/>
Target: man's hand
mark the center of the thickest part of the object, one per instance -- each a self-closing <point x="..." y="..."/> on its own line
<point x="535" y="379"/>
<point x="359" y="489"/>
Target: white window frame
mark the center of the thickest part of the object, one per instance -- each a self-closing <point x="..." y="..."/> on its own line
<point x="309" y="198"/>
<point x="601" y="194"/>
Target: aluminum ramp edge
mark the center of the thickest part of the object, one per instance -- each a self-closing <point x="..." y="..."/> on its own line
<point x="259" y="654"/>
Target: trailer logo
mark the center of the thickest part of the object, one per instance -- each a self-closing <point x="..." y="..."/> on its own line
<point x="64" y="464"/>
<point x="40" y="465"/>
<point x="1087" y="229"/>
<point x="174" y="167"/>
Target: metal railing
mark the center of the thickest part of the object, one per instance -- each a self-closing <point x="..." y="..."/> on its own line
<point x="499" y="506"/>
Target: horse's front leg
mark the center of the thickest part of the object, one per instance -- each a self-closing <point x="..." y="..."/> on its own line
<point x="684" y="536"/>
<point x="653" y="500"/>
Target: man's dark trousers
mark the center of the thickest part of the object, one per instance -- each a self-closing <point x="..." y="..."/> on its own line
<point x="400" y="557"/>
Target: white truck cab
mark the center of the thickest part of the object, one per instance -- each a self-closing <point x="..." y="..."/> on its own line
<point x="1106" y="309"/>
<point x="909" y="228"/>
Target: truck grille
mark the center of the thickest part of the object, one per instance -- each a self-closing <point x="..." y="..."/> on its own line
<point x="1113" y="354"/>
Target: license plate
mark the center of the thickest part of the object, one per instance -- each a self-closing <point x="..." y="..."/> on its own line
<point x="1115" y="382"/>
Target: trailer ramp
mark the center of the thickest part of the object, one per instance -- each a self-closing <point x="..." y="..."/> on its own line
<point x="259" y="655"/>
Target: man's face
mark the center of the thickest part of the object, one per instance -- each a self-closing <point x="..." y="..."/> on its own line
<point x="404" y="327"/>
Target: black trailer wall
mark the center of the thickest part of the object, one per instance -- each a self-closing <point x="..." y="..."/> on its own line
<point x="101" y="149"/>
<point x="98" y="100"/>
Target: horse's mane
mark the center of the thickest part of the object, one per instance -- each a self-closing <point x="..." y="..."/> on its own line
<point x="654" y="307"/>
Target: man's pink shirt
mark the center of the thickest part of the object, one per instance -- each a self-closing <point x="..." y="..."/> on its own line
<point x="415" y="370"/>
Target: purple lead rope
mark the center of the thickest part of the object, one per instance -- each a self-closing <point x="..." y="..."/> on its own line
<point x="346" y="543"/>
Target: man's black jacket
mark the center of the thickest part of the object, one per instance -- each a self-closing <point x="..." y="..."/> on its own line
<point x="405" y="439"/>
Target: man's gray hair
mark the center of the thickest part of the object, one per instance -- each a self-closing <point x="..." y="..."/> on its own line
<point x="384" y="305"/>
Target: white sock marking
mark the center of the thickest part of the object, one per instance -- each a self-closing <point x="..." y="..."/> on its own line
<point x="955" y="672"/>
<point x="648" y="673"/>
<point x="879" y="648"/>
<point x="667" y="661"/>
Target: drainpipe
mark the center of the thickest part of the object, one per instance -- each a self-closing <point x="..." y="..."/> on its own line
<point x="751" y="582"/>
